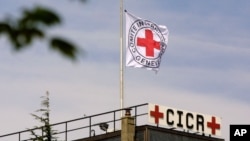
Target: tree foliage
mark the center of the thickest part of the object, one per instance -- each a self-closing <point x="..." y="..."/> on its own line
<point x="32" y="25"/>
<point x="47" y="131"/>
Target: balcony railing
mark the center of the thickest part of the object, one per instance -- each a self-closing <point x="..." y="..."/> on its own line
<point x="85" y="126"/>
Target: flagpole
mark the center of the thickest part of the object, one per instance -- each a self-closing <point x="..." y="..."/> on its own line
<point x="121" y="59"/>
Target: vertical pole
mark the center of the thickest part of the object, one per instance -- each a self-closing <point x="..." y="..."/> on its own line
<point x="19" y="136"/>
<point x="121" y="58"/>
<point x="114" y="122"/>
<point x="66" y="131"/>
<point x="89" y="126"/>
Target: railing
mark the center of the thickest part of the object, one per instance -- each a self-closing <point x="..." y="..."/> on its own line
<point x="90" y="123"/>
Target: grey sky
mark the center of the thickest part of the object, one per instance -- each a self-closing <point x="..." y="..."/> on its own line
<point x="206" y="67"/>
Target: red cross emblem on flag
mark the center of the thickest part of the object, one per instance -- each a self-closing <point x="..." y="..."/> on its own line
<point x="149" y="43"/>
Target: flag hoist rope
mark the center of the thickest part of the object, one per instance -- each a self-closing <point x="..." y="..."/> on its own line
<point x="121" y="59"/>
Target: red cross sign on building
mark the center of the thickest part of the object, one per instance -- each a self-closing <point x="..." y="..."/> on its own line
<point x="189" y="121"/>
<point x="213" y="125"/>
<point x="156" y="114"/>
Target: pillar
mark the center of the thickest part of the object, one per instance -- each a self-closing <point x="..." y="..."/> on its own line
<point x="128" y="127"/>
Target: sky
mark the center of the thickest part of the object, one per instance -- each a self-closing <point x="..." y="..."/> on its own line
<point x="205" y="68"/>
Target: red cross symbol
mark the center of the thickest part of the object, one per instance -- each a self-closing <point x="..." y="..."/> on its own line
<point x="149" y="43"/>
<point x="213" y="125"/>
<point x="156" y="114"/>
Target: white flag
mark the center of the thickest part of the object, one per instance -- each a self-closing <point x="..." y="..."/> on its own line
<point x="146" y="42"/>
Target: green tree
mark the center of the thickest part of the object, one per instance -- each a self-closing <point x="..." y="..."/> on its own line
<point x="44" y="119"/>
<point x="32" y="24"/>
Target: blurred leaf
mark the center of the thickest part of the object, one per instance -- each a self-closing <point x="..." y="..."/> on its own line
<point x="5" y="28"/>
<point x="32" y="24"/>
<point x="64" y="47"/>
<point x="39" y="15"/>
<point x="12" y="34"/>
<point x="26" y="36"/>
<point x="83" y="1"/>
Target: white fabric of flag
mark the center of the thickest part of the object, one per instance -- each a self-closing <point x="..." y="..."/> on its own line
<point x="146" y="42"/>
